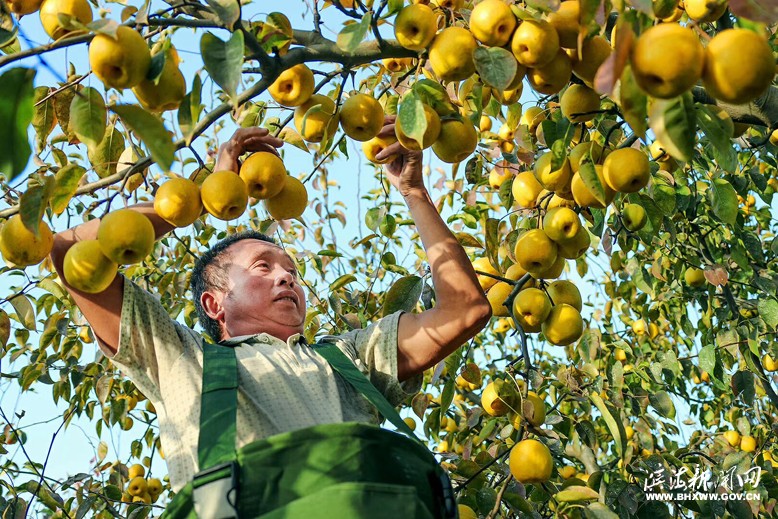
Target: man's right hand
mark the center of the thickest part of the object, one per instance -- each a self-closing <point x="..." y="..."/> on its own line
<point x="242" y="141"/>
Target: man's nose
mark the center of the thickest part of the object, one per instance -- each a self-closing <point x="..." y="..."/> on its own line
<point x="284" y="277"/>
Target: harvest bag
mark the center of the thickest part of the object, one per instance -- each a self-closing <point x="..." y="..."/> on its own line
<point x="334" y="471"/>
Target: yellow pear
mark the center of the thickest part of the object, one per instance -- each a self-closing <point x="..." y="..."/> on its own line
<point x="492" y="22"/>
<point x="21" y="247"/>
<point x="552" y="272"/>
<point x="136" y="470"/>
<point x="769" y="363"/>
<point x="580" y="103"/>
<point x="694" y="277"/>
<point x="659" y="76"/>
<point x="224" y="195"/>
<point x="739" y="66"/>
<point x="594" y="52"/>
<point x="491" y="401"/>
<point x="533" y="408"/>
<point x="169" y="89"/>
<point x="122" y="62"/>
<point x="732" y="437"/>
<point x="563" y="326"/>
<point x="532" y="117"/>
<point x="177" y="201"/>
<point x="525" y="189"/>
<point x="264" y="174"/>
<point x="748" y="444"/>
<point x="553" y="180"/>
<point x="530" y="462"/>
<point x="51" y="10"/>
<point x="499" y="175"/>
<point x="552" y="77"/>
<point x="497" y="296"/>
<point x="515" y="272"/>
<point x="533" y="305"/>
<point x="376" y="145"/>
<point x="126" y="236"/>
<point x="564" y="291"/>
<point x="535" y="251"/>
<point x="585" y="149"/>
<point x="290" y="202"/>
<point x="294" y="86"/>
<point x="457" y="141"/>
<point x="578" y="246"/>
<point x="415" y="27"/>
<point x="22" y="7"/>
<point x="484" y="124"/>
<point x="129" y="157"/>
<point x="566" y="22"/>
<point x="87" y="269"/>
<point x="703" y="11"/>
<point x="484" y="265"/>
<point x="397" y="64"/>
<point x="137" y="486"/>
<point x="465" y="512"/>
<point x="451" y="54"/>
<point x="315" y="117"/>
<point x="361" y="117"/>
<point x="509" y="97"/>
<point x="452" y="5"/>
<point x="431" y="134"/>
<point x="634" y="217"/>
<point x="535" y="43"/>
<point x="584" y="197"/>
<point x="154" y="487"/>
<point x="561" y="224"/>
<point x="626" y="170"/>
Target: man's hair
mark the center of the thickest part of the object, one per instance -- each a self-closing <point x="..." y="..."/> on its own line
<point x="210" y="274"/>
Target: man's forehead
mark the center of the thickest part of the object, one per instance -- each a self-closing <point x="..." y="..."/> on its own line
<point x="252" y="247"/>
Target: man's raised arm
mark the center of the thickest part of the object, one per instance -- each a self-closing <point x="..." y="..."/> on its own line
<point x="461" y="308"/>
<point x="104" y="310"/>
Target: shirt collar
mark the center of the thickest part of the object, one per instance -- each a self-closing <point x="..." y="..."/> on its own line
<point x="294" y="339"/>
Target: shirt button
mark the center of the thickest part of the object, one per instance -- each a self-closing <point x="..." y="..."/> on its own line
<point x="264" y="339"/>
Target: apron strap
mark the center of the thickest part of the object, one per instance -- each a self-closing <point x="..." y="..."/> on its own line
<point x="218" y="406"/>
<point x="343" y="365"/>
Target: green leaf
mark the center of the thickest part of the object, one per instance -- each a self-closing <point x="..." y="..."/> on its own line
<point x="105" y="157"/>
<point x="718" y="130"/>
<point x="190" y="108"/>
<point x="65" y="185"/>
<point x="403" y="295"/>
<point x="591" y="180"/>
<point x="743" y="386"/>
<point x="674" y="123"/>
<point x="52" y="500"/>
<point x="32" y="204"/>
<point x="16" y="110"/>
<point x="723" y="200"/>
<point x="615" y="427"/>
<point x="352" y="35"/>
<point x="411" y="116"/>
<point x="223" y="60"/>
<point x="25" y="313"/>
<point x="112" y="492"/>
<point x="496" y="66"/>
<point x="227" y="12"/>
<point x="664" y="195"/>
<point x="599" y="511"/>
<point x="151" y="131"/>
<point x="433" y="94"/>
<point x="634" y="103"/>
<point x="342" y="281"/>
<point x="62" y="102"/>
<point x="5" y="328"/>
<point x="576" y="493"/>
<point x="661" y="401"/>
<point x="88" y="116"/>
<point x="768" y="311"/>
<point x="43" y="117"/>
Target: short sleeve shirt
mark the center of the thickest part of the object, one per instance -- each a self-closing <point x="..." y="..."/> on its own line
<point x="282" y="386"/>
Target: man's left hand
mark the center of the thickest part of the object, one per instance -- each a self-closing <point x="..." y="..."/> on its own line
<point x="405" y="171"/>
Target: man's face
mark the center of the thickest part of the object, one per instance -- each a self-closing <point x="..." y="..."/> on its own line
<point x="263" y="293"/>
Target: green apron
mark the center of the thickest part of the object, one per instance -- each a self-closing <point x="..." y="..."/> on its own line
<point x="333" y="471"/>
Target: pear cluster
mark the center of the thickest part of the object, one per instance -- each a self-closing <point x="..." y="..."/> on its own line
<point x="140" y="489"/>
<point x="546" y="50"/>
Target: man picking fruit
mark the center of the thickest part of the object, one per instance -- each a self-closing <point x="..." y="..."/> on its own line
<point x="248" y="296"/>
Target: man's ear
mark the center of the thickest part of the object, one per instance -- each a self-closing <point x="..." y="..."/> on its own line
<point x="212" y="305"/>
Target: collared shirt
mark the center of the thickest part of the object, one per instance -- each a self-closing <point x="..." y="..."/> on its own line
<point x="282" y="386"/>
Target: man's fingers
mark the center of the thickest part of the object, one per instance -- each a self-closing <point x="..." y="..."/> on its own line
<point x="395" y="148"/>
<point x="387" y="130"/>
